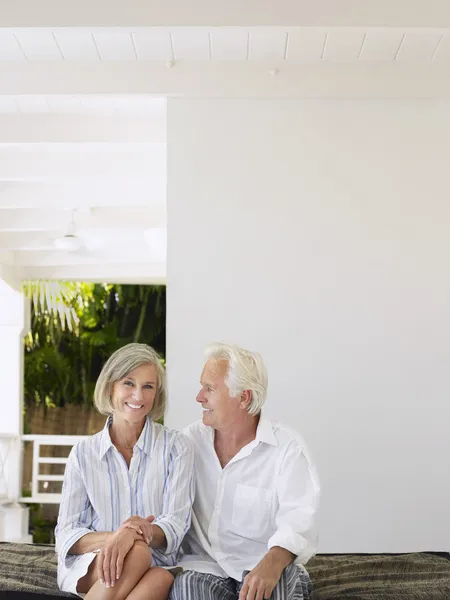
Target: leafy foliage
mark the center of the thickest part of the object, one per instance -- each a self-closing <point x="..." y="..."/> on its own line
<point x="76" y="326"/>
<point x="53" y="298"/>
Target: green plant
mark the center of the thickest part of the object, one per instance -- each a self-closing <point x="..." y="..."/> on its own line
<point x="76" y="327"/>
<point x="41" y="528"/>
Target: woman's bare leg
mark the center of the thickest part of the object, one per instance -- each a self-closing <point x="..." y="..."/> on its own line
<point x="136" y="563"/>
<point x="154" y="585"/>
<point x="87" y="581"/>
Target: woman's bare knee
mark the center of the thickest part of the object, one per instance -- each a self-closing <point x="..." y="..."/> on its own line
<point x="155" y="584"/>
<point x="161" y="581"/>
<point x="138" y="558"/>
<point x="136" y="563"/>
<point x="164" y="576"/>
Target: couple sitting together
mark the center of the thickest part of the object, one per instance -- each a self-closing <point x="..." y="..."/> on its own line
<point x="223" y="511"/>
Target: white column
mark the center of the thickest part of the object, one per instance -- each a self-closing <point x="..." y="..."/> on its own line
<point x="14" y="322"/>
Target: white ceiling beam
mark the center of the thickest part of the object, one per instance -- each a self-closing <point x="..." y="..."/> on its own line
<point x="229" y="79"/>
<point x="75" y="193"/>
<point x="93" y="239"/>
<point x="38" y="163"/>
<point x="29" y="241"/>
<point x="345" y="13"/>
<point x="99" y="218"/>
<point x="15" y="129"/>
<point x="57" y="258"/>
<point x="145" y="273"/>
<point x="11" y="275"/>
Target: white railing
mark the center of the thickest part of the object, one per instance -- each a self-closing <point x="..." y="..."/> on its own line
<point x="47" y="440"/>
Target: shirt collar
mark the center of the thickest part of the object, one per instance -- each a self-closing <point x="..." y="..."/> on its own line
<point x="143" y="443"/>
<point x="264" y="432"/>
<point x="105" y="441"/>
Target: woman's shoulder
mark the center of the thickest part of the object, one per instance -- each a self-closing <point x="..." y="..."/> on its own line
<point x="88" y="445"/>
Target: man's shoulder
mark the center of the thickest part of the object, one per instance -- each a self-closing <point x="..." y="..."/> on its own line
<point x="287" y="436"/>
<point x="196" y="430"/>
<point x="171" y="437"/>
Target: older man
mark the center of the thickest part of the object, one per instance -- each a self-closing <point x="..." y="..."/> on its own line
<point x="257" y="491"/>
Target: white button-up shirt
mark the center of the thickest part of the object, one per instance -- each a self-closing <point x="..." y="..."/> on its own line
<point x="266" y="496"/>
<point x="100" y="492"/>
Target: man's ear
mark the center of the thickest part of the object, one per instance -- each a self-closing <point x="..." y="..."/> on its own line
<point x="246" y="398"/>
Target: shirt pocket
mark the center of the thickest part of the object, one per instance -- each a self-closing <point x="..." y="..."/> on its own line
<point x="251" y="516"/>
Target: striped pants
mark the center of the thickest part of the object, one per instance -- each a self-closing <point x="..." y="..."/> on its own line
<point x="294" y="584"/>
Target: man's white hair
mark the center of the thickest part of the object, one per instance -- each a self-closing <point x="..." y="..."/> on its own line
<point x="246" y="371"/>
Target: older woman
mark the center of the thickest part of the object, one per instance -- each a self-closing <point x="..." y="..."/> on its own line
<point x="128" y="490"/>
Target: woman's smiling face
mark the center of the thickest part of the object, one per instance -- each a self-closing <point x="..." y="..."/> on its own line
<point x="133" y="396"/>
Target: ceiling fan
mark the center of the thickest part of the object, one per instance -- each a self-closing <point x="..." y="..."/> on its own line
<point x="69" y="242"/>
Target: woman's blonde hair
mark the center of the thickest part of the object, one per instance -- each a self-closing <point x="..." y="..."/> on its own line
<point x="118" y="366"/>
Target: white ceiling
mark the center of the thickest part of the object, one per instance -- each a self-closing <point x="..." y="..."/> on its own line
<point x="115" y="191"/>
<point x="279" y="44"/>
<point x="83" y="120"/>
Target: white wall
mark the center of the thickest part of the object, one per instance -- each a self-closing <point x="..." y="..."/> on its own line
<point x="317" y="232"/>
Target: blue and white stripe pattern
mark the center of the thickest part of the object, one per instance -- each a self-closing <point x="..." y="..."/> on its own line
<point x="294" y="584"/>
<point x="100" y="492"/>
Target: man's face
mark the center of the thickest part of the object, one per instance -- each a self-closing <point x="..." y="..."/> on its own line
<point x="220" y="410"/>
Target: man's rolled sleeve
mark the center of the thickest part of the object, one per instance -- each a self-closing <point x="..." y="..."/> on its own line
<point x="298" y="496"/>
<point x="75" y="511"/>
<point x="175" y="519"/>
